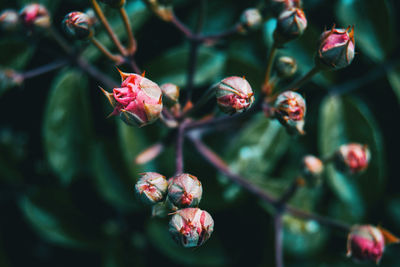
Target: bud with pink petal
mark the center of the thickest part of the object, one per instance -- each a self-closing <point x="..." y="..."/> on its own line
<point x="191" y="227"/>
<point x="185" y="190"/>
<point x="336" y="48"/>
<point x="291" y="24"/>
<point x="278" y="6"/>
<point x="9" y="20"/>
<point x="352" y="158"/>
<point x="78" y="25"/>
<point x="290" y="110"/>
<point x="35" y="15"/>
<point x="365" y="242"/>
<point x="234" y="94"/>
<point x="151" y="187"/>
<point x="170" y="93"/>
<point x="138" y="101"/>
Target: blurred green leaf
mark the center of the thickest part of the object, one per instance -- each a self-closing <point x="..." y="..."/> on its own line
<point x="210" y="254"/>
<point x="394" y="80"/>
<point x="19" y="51"/>
<point x="171" y="67"/>
<point x="111" y="184"/>
<point x="67" y="126"/>
<point x="345" y="120"/>
<point x="51" y="213"/>
<point x="374" y="27"/>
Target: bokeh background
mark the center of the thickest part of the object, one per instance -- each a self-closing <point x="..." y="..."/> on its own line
<point x="67" y="173"/>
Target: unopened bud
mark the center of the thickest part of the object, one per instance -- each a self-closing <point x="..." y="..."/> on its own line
<point x="365" y="242"/>
<point x="138" y="102"/>
<point x="185" y="190"/>
<point x="114" y="3"/>
<point x="35" y="15"/>
<point x="170" y="93"/>
<point x="336" y="48"/>
<point x="251" y="18"/>
<point x="9" y="20"/>
<point x="78" y="25"/>
<point x="191" y="227"/>
<point x="234" y="94"/>
<point x="286" y="67"/>
<point x="151" y="187"/>
<point x="290" y="110"/>
<point x="291" y="24"/>
<point x="352" y="158"/>
<point x="312" y="169"/>
<point x="92" y="16"/>
<point x="278" y="6"/>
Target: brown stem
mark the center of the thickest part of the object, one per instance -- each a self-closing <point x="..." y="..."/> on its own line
<point x="108" y="28"/>
<point x="118" y="59"/>
<point x="132" y="45"/>
<point x="270" y="63"/>
<point x="296" y="85"/>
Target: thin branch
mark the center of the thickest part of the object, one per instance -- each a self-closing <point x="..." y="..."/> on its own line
<point x="132" y="45"/>
<point x="270" y="63"/>
<point x="95" y="73"/>
<point x="296" y="85"/>
<point x="44" y="69"/>
<point x="118" y="59"/>
<point x="214" y="36"/>
<point x="278" y="227"/>
<point x="180" y="138"/>
<point x="181" y="26"/>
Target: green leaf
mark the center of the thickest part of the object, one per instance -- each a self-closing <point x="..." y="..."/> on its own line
<point x="209" y="254"/>
<point x="171" y="67"/>
<point x="67" y="126"/>
<point x="373" y="20"/>
<point x="393" y="76"/>
<point x="18" y="53"/>
<point x="115" y="187"/>
<point x="52" y="215"/>
<point x="345" y="120"/>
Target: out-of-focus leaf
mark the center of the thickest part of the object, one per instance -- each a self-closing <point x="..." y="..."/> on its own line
<point x="344" y="120"/>
<point x="374" y="32"/>
<point x="67" y="127"/>
<point x="209" y="254"/>
<point x="52" y="215"/>
<point x="18" y="53"/>
<point x="394" y="80"/>
<point x="255" y="151"/>
<point x="302" y="237"/>
<point x="109" y="181"/>
<point x="170" y="66"/>
<point x="3" y="258"/>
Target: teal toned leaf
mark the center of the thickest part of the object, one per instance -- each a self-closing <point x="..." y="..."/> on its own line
<point x="394" y="80"/>
<point x="18" y="53"/>
<point x="67" y="127"/>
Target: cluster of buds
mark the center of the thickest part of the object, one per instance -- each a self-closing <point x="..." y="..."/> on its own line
<point x="138" y="101"/>
<point x="336" y="48"/>
<point x="290" y="110"/>
<point x="312" y="169"/>
<point x="9" y="20"/>
<point x="285" y="67"/>
<point x="251" y="18"/>
<point x="78" y="25"/>
<point x="179" y="196"/>
<point x="352" y="158"/>
<point x="292" y="23"/>
<point x="234" y="94"/>
<point x="35" y="15"/>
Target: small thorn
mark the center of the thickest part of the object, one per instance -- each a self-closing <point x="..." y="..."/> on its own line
<point x="124" y="75"/>
<point x="144" y="73"/>
<point x="109" y="96"/>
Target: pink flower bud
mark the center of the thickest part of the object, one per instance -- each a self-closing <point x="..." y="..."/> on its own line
<point x="286" y="67"/>
<point x="291" y="24"/>
<point x="138" y="101"/>
<point x="9" y="19"/>
<point x="312" y="169"/>
<point x="234" y="94"/>
<point x="365" y="242"/>
<point x="170" y="93"/>
<point x="35" y="15"/>
<point x="290" y="110"/>
<point x="336" y="48"/>
<point x="352" y="158"/>
<point x="185" y="190"/>
<point x="191" y="227"/>
<point x="114" y="3"/>
<point x="78" y="24"/>
<point x="251" y="18"/>
<point x="151" y="187"/>
<point x="279" y="5"/>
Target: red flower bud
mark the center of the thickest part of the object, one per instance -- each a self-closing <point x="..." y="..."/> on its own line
<point x="291" y="24"/>
<point x="170" y="93"/>
<point x="352" y="158"/>
<point x="78" y="24"/>
<point x="9" y="20"/>
<point x="151" y="187"/>
<point x="191" y="227"/>
<point x="185" y="190"/>
<point x="290" y="110"/>
<point x="138" y="101"/>
<point x="35" y="15"/>
<point x="365" y="242"/>
<point x="234" y="94"/>
<point x="336" y="48"/>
